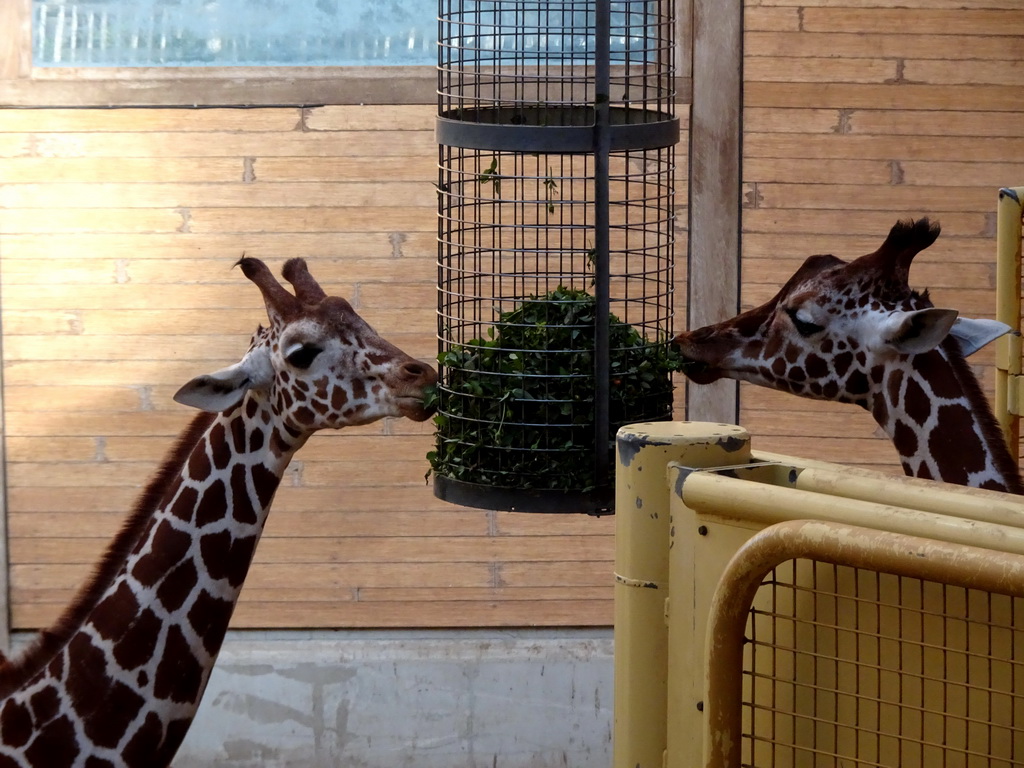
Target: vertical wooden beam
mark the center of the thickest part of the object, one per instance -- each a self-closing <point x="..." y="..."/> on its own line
<point x="15" y="39"/>
<point x="15" y="63"/>
<point x="714" y="211"/>
<point x="684" y="37"/>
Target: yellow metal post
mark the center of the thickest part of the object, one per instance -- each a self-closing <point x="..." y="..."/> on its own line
<point x="1008" y="310"/>
<point x="699" y="551"/>
<point x="641" y="572"/>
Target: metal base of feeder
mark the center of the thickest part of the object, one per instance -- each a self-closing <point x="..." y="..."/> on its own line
<point x="599" y="501"/>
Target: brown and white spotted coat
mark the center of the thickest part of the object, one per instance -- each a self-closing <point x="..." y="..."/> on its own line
<point x="855" y="332"/>
<point x="117" y="681"/>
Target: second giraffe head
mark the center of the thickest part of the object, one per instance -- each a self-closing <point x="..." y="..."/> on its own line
<point x="836" y="327"/>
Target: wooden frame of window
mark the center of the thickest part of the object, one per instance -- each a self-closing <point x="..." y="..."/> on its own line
<point x="23" y="85"/>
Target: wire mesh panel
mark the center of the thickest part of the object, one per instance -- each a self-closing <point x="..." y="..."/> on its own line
<point x="555" y="232"/>
<point x="849" y="667"/>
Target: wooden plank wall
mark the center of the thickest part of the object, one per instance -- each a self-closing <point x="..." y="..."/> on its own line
<point x="118" y="231"/>
<point x="858" y="113"/>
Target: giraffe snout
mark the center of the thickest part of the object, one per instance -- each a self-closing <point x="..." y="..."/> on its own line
<point x="696" y="348"/>
<point x="416" y="380"/>
<point x="697" y="336"/>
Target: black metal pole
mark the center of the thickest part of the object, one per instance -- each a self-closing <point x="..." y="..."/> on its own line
<point x="602" y="240"/>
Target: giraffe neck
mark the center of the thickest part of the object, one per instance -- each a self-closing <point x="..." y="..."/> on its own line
<point x="941" y="424"/>
<point x="124" y="682"/>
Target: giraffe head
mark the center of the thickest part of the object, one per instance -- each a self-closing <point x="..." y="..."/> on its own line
<point x="836" y="327"/>
<point x="319" y="364"/>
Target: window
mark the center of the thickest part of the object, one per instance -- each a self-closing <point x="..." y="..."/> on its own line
<point x="83" y="53"/>
<point x="181" y="33"/>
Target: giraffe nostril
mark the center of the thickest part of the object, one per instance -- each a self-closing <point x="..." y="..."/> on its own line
<point x="702" y="335"/>
<point x="414" y="369"/>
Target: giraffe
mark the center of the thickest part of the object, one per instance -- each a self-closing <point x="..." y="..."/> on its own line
<point x="116" y="681"/>
<point x="855" y="332"/>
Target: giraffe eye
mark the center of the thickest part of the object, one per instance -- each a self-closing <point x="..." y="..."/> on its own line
<point x="303" y="355"/>
<point x="804" y="327"/>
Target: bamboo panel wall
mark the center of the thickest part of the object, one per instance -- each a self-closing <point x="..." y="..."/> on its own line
<point x="118" y="231"/>
<point x="856" y="114"/>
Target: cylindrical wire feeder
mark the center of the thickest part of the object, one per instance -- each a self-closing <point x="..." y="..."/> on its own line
<point x="556" y="133"/>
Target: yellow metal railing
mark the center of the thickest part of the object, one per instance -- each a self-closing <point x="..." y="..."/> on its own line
<point x="1009" y="403"/>
<point x="816" y="663"/>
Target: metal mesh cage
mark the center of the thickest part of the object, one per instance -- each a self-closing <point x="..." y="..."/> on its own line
<point x="555" y="232"/>
<point x="850" y="667"/>
<point x="545" y="56"/>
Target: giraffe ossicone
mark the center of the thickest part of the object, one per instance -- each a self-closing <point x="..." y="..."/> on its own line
<point x="116" y="681"/>
<point x="856" y="332"/>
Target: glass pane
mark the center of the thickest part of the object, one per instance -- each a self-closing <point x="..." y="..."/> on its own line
<point x="534" y="30"/>
<point x="175" y="33"/>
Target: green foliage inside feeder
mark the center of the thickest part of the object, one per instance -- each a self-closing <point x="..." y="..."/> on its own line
<point x="516" y="410"/>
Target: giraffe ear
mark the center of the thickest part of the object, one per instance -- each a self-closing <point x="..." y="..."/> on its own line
<point x="911" y="333"/>
<point x="975" y="334"/>
<point x="216" y="392"/>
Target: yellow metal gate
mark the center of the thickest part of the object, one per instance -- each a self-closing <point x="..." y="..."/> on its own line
<point x="772" y="611"/>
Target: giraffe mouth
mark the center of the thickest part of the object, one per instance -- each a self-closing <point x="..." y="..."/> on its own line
<point x="415" y="409"/>
<point x="699" y="371"/>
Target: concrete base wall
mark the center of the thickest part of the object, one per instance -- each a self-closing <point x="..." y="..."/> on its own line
<point x="478" y="699"/>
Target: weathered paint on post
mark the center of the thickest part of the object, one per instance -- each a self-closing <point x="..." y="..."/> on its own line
<point x="1008" y="405"/>
<point x="641" y="572"/>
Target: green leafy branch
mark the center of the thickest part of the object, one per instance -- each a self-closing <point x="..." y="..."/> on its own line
<point x="491" y="175"/>
<point x="516" y="409"/>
